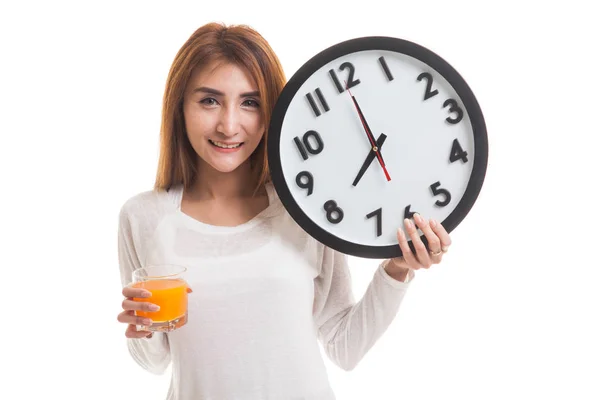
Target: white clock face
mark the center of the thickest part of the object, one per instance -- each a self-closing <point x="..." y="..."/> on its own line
<point x="428" y="148"/>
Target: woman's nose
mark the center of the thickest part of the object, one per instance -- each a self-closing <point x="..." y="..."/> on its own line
<point x="229" y="122"/>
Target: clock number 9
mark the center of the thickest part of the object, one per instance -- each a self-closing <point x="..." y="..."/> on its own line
<point x="308" y="184"/>
<point x="334" y="213"/>
<point x="435" y="190"/>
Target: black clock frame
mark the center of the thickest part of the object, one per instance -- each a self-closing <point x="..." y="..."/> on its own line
<point x="376" y="43"/>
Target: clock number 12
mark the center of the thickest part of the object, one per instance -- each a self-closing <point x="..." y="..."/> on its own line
<point x="351" y="80"/>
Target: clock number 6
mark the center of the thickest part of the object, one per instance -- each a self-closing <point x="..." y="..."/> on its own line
<point x="305" y="146"/>
<point x="436" y="190"/>
<point x="334" y="213"/>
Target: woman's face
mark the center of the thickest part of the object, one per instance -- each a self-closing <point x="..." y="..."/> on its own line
<point x="223" y="118"/>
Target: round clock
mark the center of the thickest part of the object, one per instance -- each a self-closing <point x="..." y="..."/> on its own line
<point x="370" y="131"/>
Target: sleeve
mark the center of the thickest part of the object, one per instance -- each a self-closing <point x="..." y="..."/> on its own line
<point x="152" y="354"/>
<point x="348" y="329"/>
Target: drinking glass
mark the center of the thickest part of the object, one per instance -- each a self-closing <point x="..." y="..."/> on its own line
<point x="169" y="292"/>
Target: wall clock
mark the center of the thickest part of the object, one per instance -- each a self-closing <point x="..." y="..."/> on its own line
<point x="370" y="131"/>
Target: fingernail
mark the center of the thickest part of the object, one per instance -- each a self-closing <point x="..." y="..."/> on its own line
<point x="153" y="307"/>
<point x="433" y="222"/>
<point x="418" y="217"/>
<point x="147" y="321"/>
<point x="400" y="232"/>
<point x="146" y="294"/>
<point x="408" y="222"/>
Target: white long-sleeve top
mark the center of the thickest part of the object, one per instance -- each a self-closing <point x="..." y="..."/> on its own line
<point x="265" y="294"/>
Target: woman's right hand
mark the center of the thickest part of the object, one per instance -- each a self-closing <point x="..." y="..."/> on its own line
<point x="130" y="306"/>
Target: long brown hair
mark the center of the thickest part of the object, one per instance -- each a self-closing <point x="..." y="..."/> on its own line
<point x="239" y="44"/>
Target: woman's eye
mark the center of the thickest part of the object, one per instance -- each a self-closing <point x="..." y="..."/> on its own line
<point x="251" y="103"/>
<point x="209" y="101"/>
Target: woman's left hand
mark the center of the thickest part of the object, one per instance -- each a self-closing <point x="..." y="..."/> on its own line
<point x="437" y="238"/>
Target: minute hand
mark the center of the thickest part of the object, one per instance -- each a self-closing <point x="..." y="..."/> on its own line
<point x="370" y="136"/>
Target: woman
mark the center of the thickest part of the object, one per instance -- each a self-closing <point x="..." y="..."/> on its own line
<point x="264" y="292"/>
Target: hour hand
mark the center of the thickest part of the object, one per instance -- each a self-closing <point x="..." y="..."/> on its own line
<point x="370" y="157"/>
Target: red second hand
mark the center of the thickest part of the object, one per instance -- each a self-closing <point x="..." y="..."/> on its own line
<point x="373" y="144"/>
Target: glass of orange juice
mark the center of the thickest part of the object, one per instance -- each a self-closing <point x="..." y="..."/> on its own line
<point x="169" y="292"/>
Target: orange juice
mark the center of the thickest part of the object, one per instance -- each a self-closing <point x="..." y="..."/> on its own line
<point x="169" y="294"/>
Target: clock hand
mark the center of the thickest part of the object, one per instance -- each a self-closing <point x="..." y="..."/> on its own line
<point x="369" y="159"/>
<point x="369" y="134"/>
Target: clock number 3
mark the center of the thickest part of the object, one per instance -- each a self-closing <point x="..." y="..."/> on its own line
<point x="454" y="108"/>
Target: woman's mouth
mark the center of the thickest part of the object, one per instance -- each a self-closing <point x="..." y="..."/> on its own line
<point x="224" y="145"/>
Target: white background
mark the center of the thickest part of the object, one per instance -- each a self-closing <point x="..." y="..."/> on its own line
<point x="513" y="310"/>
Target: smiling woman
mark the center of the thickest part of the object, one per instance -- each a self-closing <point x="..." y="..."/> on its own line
<point x="199" y="89"/>
<point x="222" y="116"/>
<point x="264" y="293"/>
